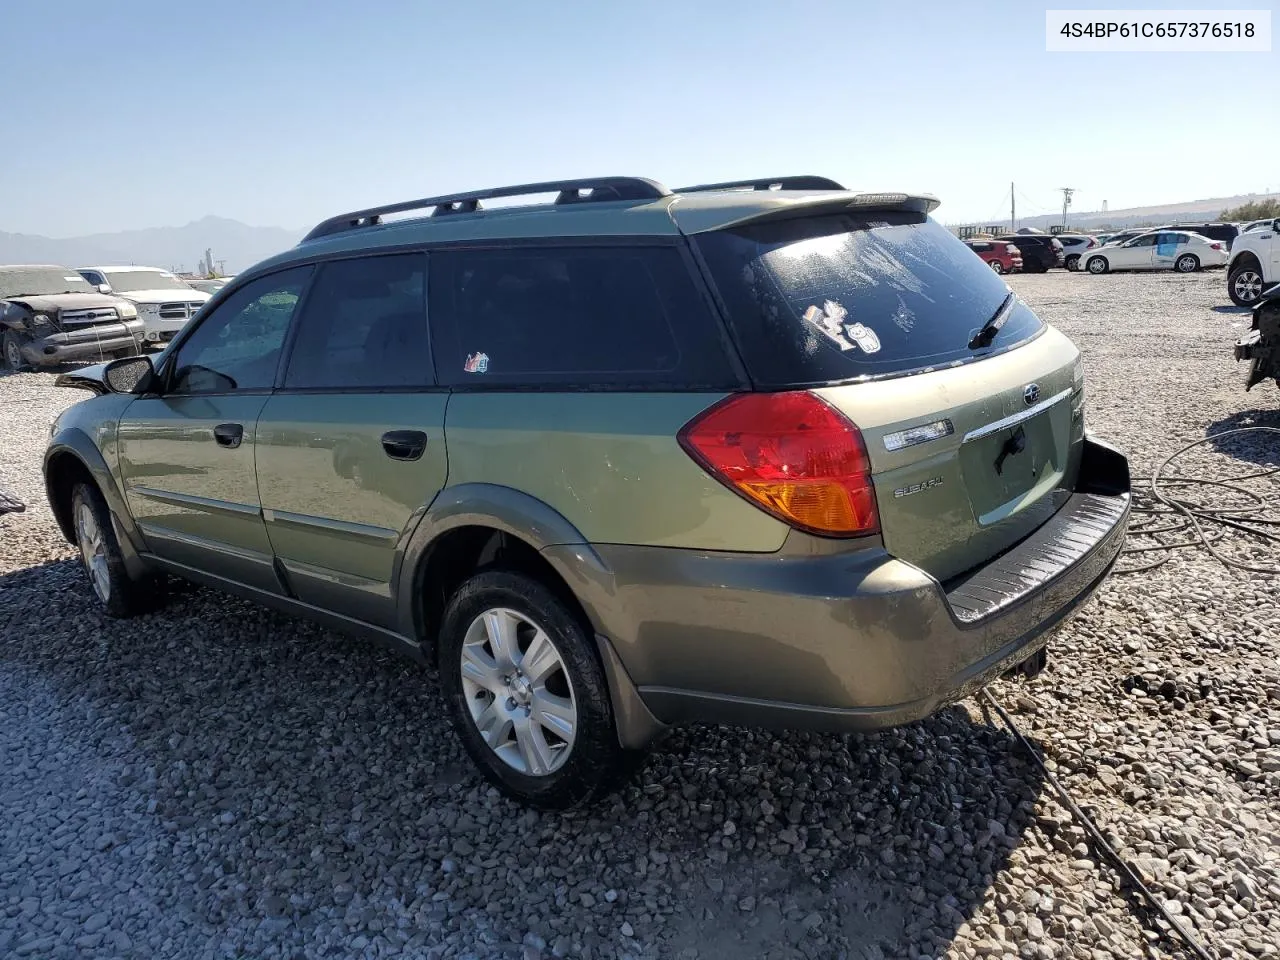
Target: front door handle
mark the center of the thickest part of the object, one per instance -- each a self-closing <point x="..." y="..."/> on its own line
<point x="228" y="434"/>
<point x="404" y="444"/>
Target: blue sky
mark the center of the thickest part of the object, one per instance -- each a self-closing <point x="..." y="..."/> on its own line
<point x="276" y="112"/>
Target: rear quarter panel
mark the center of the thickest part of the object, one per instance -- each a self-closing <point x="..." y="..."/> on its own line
<point x="609" y="463"/>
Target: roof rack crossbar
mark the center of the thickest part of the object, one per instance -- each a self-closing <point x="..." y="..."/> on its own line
<point x="567" y="191"/>
<point x="801" y="182"/>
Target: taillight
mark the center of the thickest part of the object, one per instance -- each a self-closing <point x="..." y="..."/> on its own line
<point x="1215" y="246"/>
<point x="1010" y="248"/>
<point x="791" y="454"/>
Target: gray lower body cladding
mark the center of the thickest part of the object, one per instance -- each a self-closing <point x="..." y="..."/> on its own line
<point x="850" y="640"/>
<point x="90" y="342"/>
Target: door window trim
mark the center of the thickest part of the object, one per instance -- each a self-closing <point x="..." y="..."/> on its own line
<point x="165" y="373"/>
<point x="291" y="335"/>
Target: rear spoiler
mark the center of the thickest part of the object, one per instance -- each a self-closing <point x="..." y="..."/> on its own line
<point x="783" y="207"/>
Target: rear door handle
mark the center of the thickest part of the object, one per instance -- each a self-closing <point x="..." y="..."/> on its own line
<point x="228" y="434"/>
<point x="404" y="444"/>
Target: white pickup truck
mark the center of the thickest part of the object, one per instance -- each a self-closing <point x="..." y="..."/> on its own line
<point x="1255" y="264"/>
<point x="164" y="302"/>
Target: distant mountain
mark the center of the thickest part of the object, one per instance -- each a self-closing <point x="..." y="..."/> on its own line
<point x="238" y="244"/>
<point x="1209" y="209"/>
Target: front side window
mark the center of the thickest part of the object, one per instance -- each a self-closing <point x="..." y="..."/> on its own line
<point x="607" y="316"/>
<point x="364" y="325"/>
<point x="1145" y="241"/>
<point x="835" y="298"/>
<point x="237" y="347"/>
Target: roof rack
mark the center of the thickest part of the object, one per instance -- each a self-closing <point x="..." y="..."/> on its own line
<point x="802" y="182"/>
<point x="596" y="189"/>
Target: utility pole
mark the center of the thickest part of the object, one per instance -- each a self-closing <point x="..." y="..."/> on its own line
<point x="1013" y="210"/>
<point x="1066" y="202"/>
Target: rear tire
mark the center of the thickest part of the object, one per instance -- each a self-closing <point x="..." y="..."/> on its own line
<point x="997" y="266"/>
<point x="1097" y="265"/>
<point x="120" y="595"/>
<point x="1073" y="262"/>
<point x="517" y="663"/>
<point x="1244" y="285"/>
<point x="1187" y="263"/>
<point x="11" y="348"/>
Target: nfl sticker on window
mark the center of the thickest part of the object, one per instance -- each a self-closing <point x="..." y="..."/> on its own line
<point x="476" y="363"/>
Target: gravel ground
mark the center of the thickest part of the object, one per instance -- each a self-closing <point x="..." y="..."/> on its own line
<point x="218" y="781"/>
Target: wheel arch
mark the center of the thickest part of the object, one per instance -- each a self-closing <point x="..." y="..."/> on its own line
<point x="71" y="458"/>
<point x="1244" y="258"/>
<point x="472" y="526"/>
<point x="467" y="527"/>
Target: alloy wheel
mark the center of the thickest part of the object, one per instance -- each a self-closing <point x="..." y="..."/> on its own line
<point x="93" y="549"/>
<point x="12" y="355"/>
<point x="518" y="692"/>
<point x="1248" y="285"/>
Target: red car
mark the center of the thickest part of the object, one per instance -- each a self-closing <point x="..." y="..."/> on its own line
<point x="999" y="256"/>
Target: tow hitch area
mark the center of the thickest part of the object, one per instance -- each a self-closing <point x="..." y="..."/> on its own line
<point x="1261" y="345"/>
<point x="1031" y="667"/>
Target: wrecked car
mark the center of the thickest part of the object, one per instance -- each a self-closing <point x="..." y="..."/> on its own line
<point x="50" y="314"/>
<point x="1261" y="345"/>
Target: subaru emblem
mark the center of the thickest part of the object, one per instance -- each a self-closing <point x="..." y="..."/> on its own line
<point x="1031" y="393"/>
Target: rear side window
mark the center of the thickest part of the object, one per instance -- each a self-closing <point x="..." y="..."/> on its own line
<point x="831" y="299"/>
<point x="608" y="316"/>
<point x="364" y="325"/>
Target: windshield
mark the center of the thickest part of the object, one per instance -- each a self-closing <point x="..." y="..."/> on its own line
<point x="41" y="281"/>
<point x="829" y="299"/>
<point x="122" y="281"/>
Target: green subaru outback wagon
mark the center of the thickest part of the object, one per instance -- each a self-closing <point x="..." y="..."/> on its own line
<point x="771" y="453"/>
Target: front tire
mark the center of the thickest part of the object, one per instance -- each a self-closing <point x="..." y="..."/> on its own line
<point x="526" y="693"/>
<point x="1187" y="263"/>
<point x="11" y="348"/>
<point x="1073" y="262"/>
<point x="1097" y="265"/>
<point x="1244" y="285"/>
<point x="120" y="595"/>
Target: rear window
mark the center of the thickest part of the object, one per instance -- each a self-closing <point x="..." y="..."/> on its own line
<point x="831" y="299"/>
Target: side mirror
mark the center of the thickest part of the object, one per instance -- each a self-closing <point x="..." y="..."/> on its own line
<point x="129" y="375"/>
<point x="104" y="288"/>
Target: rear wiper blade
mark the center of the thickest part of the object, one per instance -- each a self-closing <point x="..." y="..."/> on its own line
<point x="989" y="329"/>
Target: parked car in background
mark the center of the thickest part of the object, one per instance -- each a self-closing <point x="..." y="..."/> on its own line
<point x="1039" y="251"/>
<point x="1255" y="264"/>
<point x="999" y="256"/>
<point x="1122" y="236"/>
<point x="165" y="303"/>
<point x="209" y="285"/>
<point x="1258" y="225"/>
<point x="1074" y="244"/>
<point x="847" y="489"/>
<point x="50" y="314"/>
<point x="1224" y="233"/>
<point x="1158" y="250"/>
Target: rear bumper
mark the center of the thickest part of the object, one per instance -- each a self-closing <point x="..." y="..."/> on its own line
<point x="856" y="640"/>
<point x="84" y="343"/>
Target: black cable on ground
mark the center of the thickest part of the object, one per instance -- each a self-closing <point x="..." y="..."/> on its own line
<point x="1159" y="512"/>
<point x="1095" y="834"/>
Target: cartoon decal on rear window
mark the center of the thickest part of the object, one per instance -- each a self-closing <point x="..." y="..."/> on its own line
<point x="831" y="321"/>
<point x="476" y="363"/>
